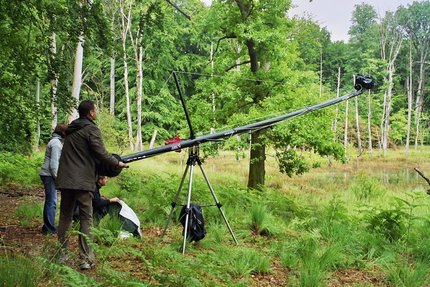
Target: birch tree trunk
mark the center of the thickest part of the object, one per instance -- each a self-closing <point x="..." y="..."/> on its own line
<point x="37" y="139"/>
<point x="124" y="29"/>
<point x="345" y="136"/>
<point x="337" y="106"/>
<point x="139" y="81"/>
<point x="386" y="127"/>
<point x="112" y="86"/>
<point x="112" y="73"/>
<point x="369" y="123"/>
<point x="213" y="94"/>
<point x="420" y="94"/>
<point x="54" y="79"/>
<point x="418" y="107"/>
<point x="77" y="71"/>
<point x="321" y="71"/>
<point x="390" y="30"/>
<point x="381" y="128"/>
<point x="357" y="126"/>
<point x="77" y="76"/>
<point x="138" y="57"/>
<point x="409" y="86"/>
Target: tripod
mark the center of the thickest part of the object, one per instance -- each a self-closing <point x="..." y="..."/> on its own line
<point x="193" y="158"/>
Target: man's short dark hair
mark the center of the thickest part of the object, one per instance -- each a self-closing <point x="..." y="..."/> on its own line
<point x="85" y="107"/>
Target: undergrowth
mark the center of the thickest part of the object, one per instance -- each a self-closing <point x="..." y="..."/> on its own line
<point x="303" y="232"/>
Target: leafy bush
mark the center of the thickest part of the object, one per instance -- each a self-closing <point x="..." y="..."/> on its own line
<point x="389" y="223"/>
<point x="108" y="230"/>
<point x="130" y="181"/>
<point x="113" y="131"/>
<point x="17" y="168"/>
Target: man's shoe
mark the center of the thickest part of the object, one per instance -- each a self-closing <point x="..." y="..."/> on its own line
<point x="46" y="231"/>
<point x="86" y="265"/>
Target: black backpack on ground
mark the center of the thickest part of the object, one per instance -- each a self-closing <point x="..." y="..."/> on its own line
<point x="196" y="224"/>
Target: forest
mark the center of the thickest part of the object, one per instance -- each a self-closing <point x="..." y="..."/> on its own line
<point x="290" y="190"/>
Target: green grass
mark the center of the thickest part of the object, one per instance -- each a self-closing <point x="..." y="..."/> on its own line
<point x="19" y="271"/>
<point x="368" y="216"/>
<point x="28" y="213"/>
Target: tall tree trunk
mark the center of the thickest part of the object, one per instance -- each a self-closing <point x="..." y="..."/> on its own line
<point x="369" y="123"/>
<point x="124" y="30"/>
<point x="112" y="86"/>
<point x="139" y="81"/>
<point x="409" y="95"/>
<point x="418" y="108"/>
<point x="77" y="72"/>
<point x="420" y="95"/>
<point x="345" y="135"/>
<point x="77" y="76"/>
<point x="381" y="128"/>
<point x="213" y="94"/>
<point x="138" y="57"/>
<point x="37" y="138"/>
<point x="357" y="126"/>
<point x="409" y="86"/>
<point x="388" y="109"/>
<point x="337" y="106"/>
<point x="321" y="71"/>
<point x="257" y="168"/>
<point x="257" y="159"/>
<point x="54" y="79"/>
<point x="112" y="73"/>
<point x="389" y="31"/>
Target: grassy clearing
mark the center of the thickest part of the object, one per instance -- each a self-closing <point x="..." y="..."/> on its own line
<point x="369" y="216"/>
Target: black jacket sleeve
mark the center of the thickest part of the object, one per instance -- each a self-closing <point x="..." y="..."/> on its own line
<point x="99" y="202"/>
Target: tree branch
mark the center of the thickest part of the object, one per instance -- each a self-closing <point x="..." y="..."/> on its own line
<point x="235" y="65"/>
<point x="231" y="36"/>
<point x="179" y="9"/>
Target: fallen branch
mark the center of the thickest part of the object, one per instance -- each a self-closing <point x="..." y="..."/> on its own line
<point x="423" y="176"/>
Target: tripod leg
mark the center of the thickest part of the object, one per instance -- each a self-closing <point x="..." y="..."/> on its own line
<point x="187" y="217"/>
<point x="217" y="202"/>
<point x="175" y="201"/>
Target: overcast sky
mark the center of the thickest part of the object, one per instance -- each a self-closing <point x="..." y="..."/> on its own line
<point x="336" y="14"/>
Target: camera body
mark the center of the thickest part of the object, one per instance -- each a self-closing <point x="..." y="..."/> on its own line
<point x="363" y="82"/>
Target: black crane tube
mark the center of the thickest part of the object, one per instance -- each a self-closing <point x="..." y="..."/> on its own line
<point x="244" y="129"/>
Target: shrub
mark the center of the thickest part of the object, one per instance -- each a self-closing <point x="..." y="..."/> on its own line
<point x="389" y="223"/>
<point x="17" y="168"/>
<point x="130" y="181"/>
<point x="108" y="230"/>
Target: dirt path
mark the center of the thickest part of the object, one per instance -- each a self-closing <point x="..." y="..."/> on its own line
<point x="13" y="237"/>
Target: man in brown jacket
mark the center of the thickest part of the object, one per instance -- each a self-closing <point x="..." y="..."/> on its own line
<point x="77" y="176"/>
